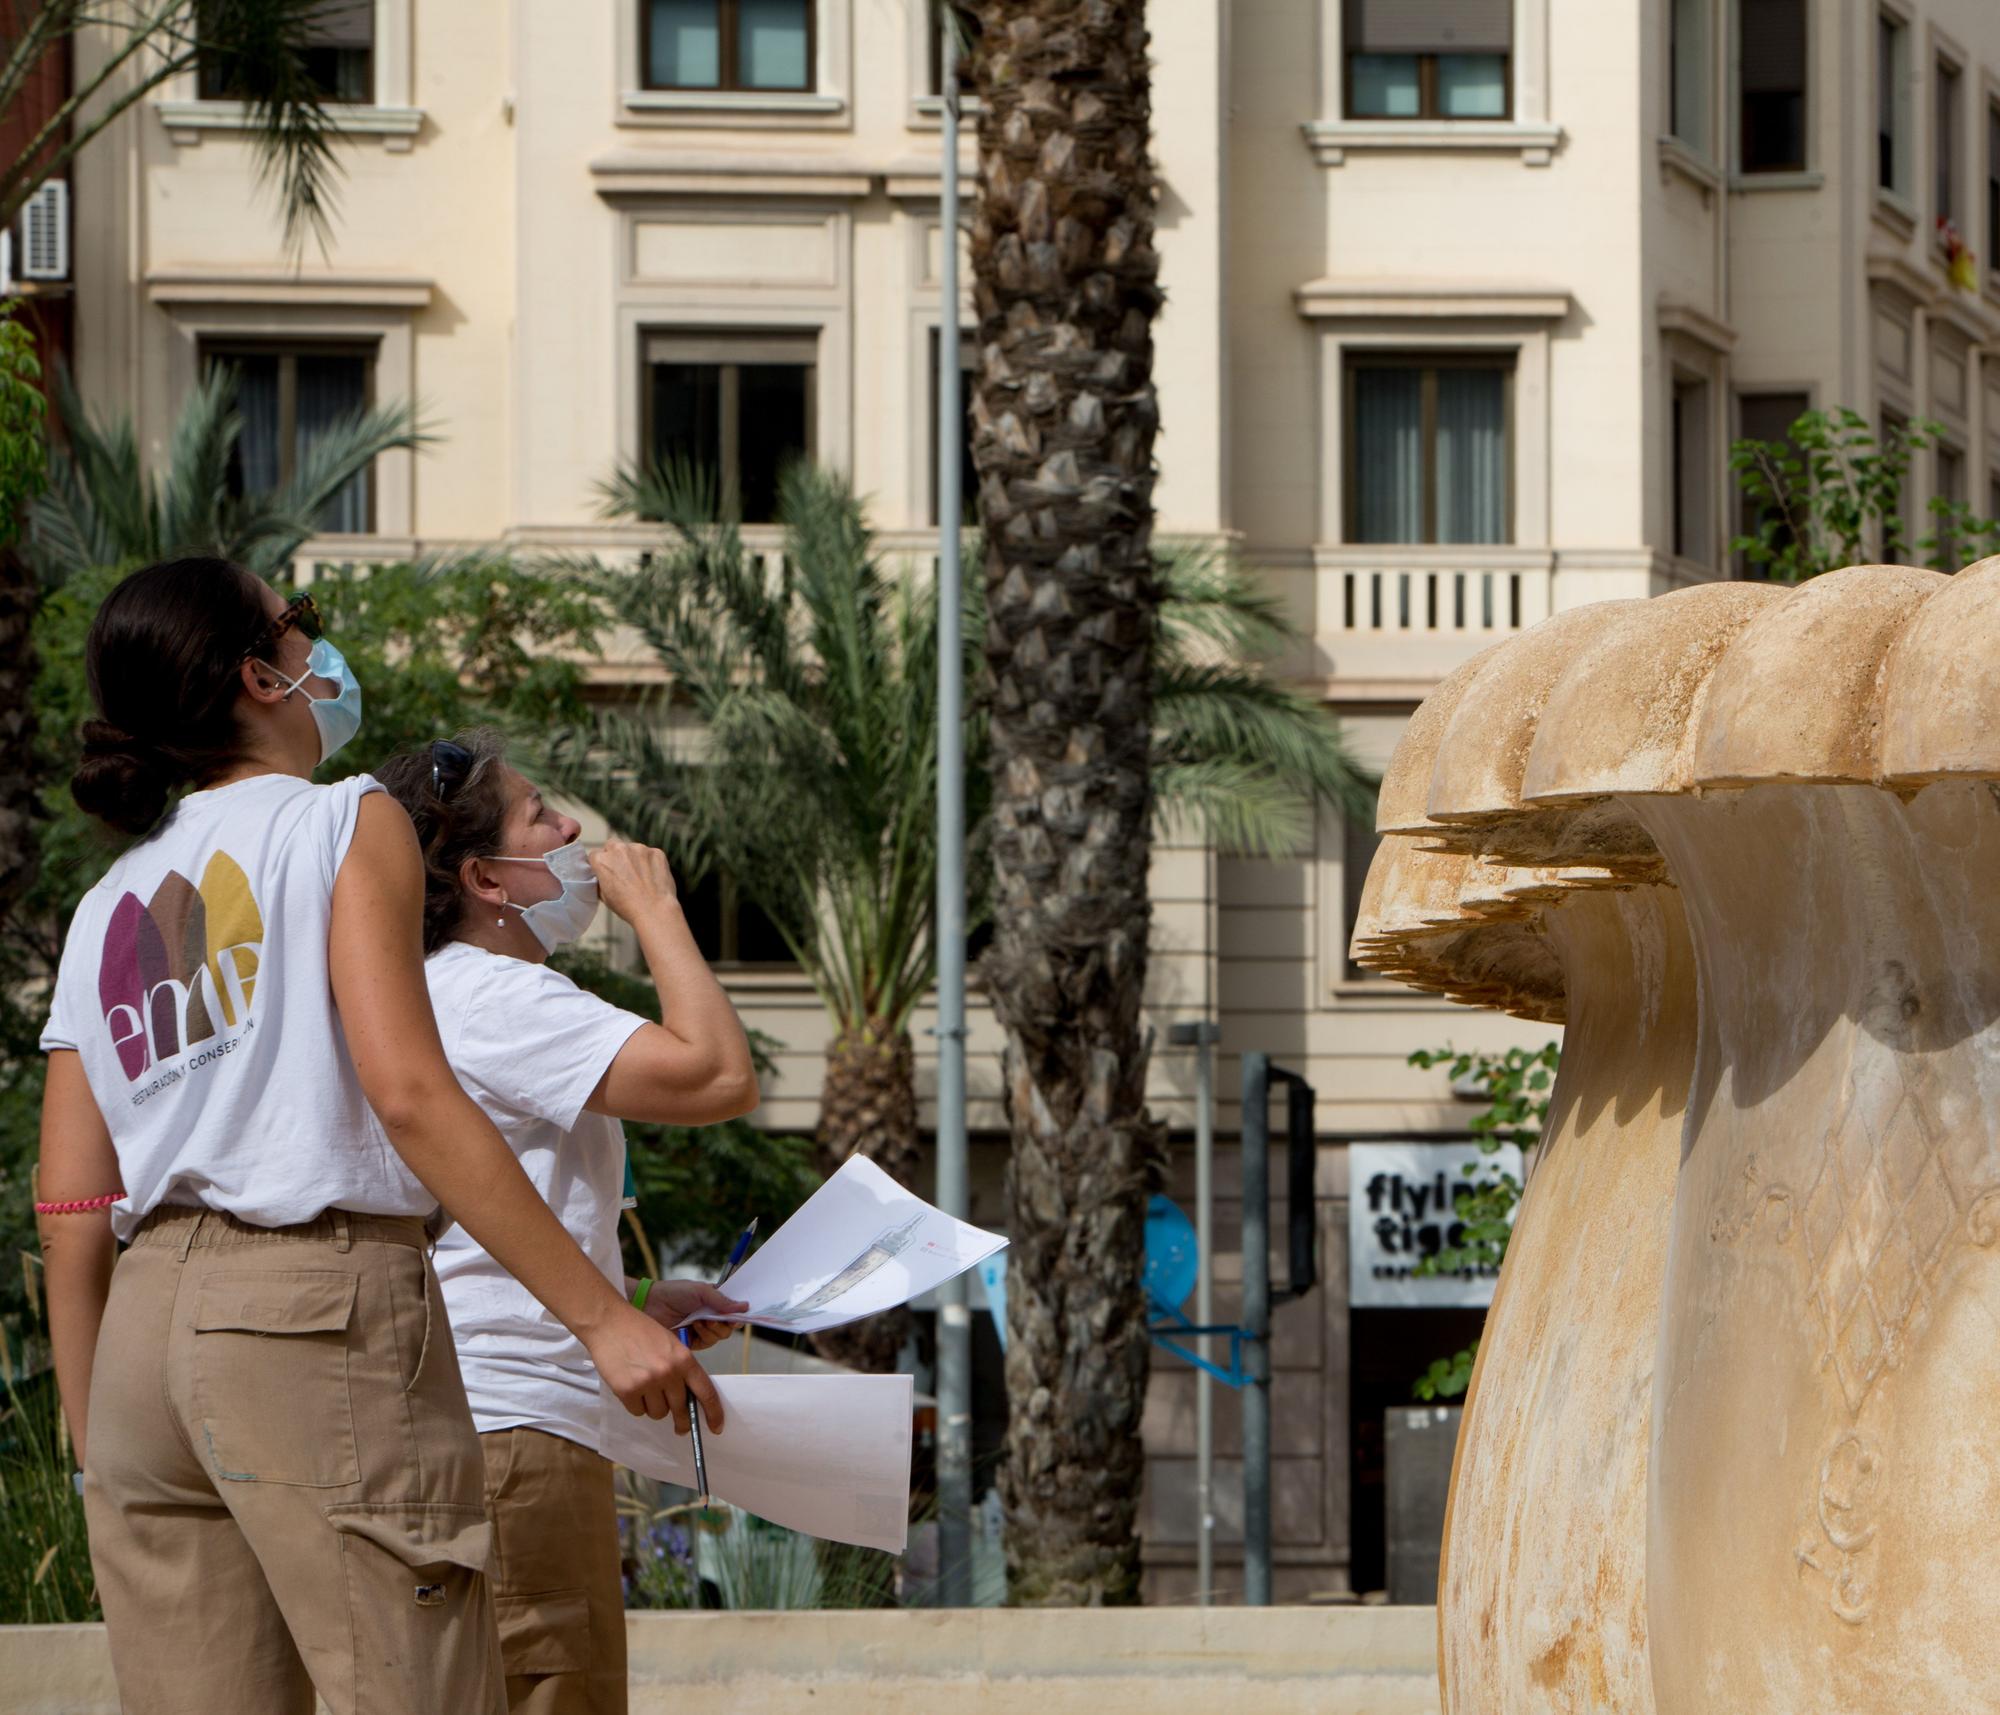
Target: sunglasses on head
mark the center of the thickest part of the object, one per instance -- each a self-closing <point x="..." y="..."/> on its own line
<point x="301" y="611"/>
<point x="450" y="764"/>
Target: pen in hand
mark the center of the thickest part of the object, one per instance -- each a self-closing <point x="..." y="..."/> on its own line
<point x="736" y="1255"/>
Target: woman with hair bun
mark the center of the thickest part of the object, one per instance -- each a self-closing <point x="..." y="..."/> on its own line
<point x="506" y="882"/>
<point x="281" y="1476"/>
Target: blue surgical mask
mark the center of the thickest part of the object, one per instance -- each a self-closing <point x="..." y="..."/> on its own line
<point x="338" y="717"/>
<point x="559" y="921"/>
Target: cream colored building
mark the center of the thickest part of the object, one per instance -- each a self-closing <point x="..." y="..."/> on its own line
<point x="1464" y="303"/>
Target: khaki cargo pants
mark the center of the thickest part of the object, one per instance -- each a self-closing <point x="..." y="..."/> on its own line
<point x="284" y="1485"/>
<point x="557" y="1582"/>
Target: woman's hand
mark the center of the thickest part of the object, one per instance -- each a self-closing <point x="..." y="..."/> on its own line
<point x="632" y="879"/>
<point x="651" y="1372"/>
<point x="672" y="1302"/>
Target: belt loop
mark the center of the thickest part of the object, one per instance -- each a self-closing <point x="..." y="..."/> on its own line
<point x="343" y="1237"/>
<point x="193" y="1228"/>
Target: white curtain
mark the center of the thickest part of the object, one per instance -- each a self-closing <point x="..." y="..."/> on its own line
<point x="1471" y="456"/>
<point x="331" y="389"/>
<point x="1389" y="455"/>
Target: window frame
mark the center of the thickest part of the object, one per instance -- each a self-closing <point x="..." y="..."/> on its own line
<point x="1947" y="142"/>
<point x="1427" y="110"/>
<point x="1703" y="144"/>
<point x="1896" y="96"/>
<point x="968" y="346"/>
<point x="1690" y="506"/>
<point x="1992" y="113"/>
<point x="213" y="348"/>
<point x="1804" y="164"/>
<point x="1427" y="362"/>
<point x="727" y="349"/>
<point x="728" y="72"/>
<point x="207" y="89"/>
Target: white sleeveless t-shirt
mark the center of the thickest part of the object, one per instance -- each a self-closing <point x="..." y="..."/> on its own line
<point x="194" y="986"/>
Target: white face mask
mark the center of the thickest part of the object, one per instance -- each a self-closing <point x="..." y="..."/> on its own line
<point x="557" y="922"/>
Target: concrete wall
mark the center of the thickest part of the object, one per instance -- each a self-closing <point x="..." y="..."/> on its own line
<point x="1276" y="1661"/>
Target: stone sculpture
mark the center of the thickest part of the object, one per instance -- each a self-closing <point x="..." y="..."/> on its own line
<point x="1731" y="1440"/>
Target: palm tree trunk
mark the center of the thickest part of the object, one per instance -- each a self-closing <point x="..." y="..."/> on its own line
<point x="19" y="848"/>
<point x="868" y="1106"/>
<point x="1065" y="413"/>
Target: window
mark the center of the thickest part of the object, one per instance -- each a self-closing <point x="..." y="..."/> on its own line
<point x="740" y="405"/>
<point x="1428" y="457"/>
<point x="1359" y="841"/>
<point x="1446" y="59"/>
<point x="1993" y="185"/>
<point x="339" y="56"/>
<point x="1691" y="527"/>
<point x="1763" y="417"/>
<point x="287" y="397"/>
<point x="1892" y="104"/>
<point x="968" y="478"/>
<point x="1946" y="143"/>
<point x="1688" y="73"/>
<point x="1772" y="77"/>
<point x="727" y="927"/>
<point x="727" y="44"/>
<point x="934" y="48"/>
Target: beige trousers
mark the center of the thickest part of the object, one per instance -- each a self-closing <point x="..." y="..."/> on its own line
<point x="284" y="1485"/>
<point x="556" y="1578"/>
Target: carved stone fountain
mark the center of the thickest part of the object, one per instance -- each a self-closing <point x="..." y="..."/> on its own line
<point x="1733" y="1441"/>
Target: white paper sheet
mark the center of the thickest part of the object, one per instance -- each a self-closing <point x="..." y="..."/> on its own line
<point x="827" y="1455"/>
<point x="859" y="1245"/>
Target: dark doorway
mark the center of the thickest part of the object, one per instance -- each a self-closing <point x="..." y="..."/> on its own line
<point x="1389" y="1350"/>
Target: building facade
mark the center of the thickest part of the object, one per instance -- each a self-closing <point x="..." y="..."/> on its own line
<point x="1465" y="303"/>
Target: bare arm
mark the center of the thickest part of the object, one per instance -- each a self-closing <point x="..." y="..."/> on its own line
<point x="376" y="962"/>
<point x="77" y="1164"/>
<point x="694" y="1067"/>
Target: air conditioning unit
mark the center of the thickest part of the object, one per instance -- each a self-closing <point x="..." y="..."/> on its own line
<point x="44" y="253"/>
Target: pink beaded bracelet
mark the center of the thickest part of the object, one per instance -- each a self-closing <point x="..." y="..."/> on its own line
<point x="82" y="1208"/>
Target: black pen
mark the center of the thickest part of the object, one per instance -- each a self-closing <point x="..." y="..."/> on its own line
<point x="736" y="1255"/>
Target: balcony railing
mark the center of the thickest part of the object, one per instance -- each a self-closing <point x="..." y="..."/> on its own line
<point x="1470" y="592"/>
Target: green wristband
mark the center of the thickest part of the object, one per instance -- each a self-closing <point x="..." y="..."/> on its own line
<point x="639" y="1294"/>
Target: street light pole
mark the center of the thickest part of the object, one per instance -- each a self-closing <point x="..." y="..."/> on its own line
<point x="954" y="1372"/>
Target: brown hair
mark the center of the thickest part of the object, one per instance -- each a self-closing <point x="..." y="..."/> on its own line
<point x="457" y="816"/>
<point x="161" y="661"/>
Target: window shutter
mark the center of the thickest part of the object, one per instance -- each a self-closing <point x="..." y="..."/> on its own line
<point x="1430" y="26"/>
<point x="45" y="233"/>
<point x="1773" y="46"/>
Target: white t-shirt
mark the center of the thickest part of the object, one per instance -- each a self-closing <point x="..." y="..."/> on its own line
<point x="194" y="987"/>
<point x="529" y="1046"/>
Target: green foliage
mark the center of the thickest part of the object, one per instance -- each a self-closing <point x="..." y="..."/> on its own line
<point x="1447" y="1378"/>
<point x="814" y="680"/>
<point x="1517" y="1085"/>
<point x="104" y="507"/>
<point x="23" y="438"/>
<point x="1832" y="491"/>
<point x="45" y="1574"/>
<point x="259" y="47"/>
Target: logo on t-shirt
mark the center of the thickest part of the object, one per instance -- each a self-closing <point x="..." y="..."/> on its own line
<point x="181" y="966"/>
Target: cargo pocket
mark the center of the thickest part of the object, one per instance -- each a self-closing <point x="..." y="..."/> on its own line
<point x="270" y="1377"/>
<point x="543" y="1634"/>
<point x="417" y="1604"/>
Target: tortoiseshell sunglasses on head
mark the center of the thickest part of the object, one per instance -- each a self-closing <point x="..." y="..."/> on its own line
<point x="301" y="611"/>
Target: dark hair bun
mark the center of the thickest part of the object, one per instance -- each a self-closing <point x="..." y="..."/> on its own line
<point x="120" y="780"/>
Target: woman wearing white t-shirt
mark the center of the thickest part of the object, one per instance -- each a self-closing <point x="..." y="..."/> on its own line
<point x="556" y="1069"/>
<point x="282" y="1481"/>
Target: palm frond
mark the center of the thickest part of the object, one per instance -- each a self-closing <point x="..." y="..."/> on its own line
<point x="1211" y="607"/>
<point x="673" y="489"/>
<point x="1239" y="806"/>
<point x="268" y="530"/>
<point x="259" y="48"/>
